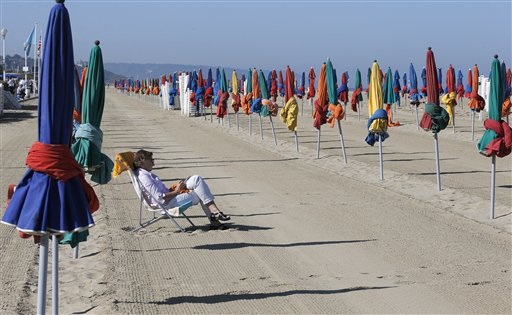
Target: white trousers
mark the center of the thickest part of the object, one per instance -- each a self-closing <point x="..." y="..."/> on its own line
<point x="199" y="193"/>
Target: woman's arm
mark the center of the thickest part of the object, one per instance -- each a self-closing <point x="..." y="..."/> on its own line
<point x="173" y="193"/>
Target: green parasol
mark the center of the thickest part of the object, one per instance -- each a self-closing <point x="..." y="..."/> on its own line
<point x="336" y="111"/>
<point x="497" y="138"/>
<point x="89" y="137"/>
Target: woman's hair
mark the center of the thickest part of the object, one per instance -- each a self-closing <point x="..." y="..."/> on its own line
<point x="141" y="156"/>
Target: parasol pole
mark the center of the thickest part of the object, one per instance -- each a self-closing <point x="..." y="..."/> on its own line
<point x="493" y="183"/>
<point x="438" y="175"/>
<point x="302" y="106"/>
<point x="342" y="142"/>
<point x="296" y="140"/>
<point x="381" y="162"/>
<point x="417" y="119"/>
<point x="43" y="269"/>
<point x="273" y="131"/>
<point x="453" y="118"/>
<point x="55" y="275"/>
<point x="318" y="143"/>
<point x="250" y="124"/>
<point x="211" y="113"/>
<point x="237" y="125"/>
<point x="311" y="104"/>
<point x="261" y="127"/>
<point x="358" y="111"/>
<point x="472" y="125"/>
<point x="345" y="109"/>
<point x="76" y="251"/>
<point x="229" y="121"/>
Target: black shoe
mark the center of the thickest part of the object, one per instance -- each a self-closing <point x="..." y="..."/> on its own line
<point x="220" y="216"/>
<point x="216" y="225"/>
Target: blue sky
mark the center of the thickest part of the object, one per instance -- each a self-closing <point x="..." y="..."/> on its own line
<point x="275" y="33"/>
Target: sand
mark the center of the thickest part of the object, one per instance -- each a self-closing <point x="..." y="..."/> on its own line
<point x="307" y="234"/>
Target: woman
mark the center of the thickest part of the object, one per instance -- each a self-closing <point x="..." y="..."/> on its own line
<point x="192" y="190"/>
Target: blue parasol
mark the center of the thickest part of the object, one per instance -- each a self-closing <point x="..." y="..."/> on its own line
<point x="53" y="197"/>
<point x="414" y="95"/>
<point x="424" y="81"/>
<point x="397" y="87"/>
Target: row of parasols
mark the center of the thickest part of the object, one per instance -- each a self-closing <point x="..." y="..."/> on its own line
<point x="257" y="94"/>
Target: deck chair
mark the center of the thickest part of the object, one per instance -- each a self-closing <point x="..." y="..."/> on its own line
<point x="157" y="208"/>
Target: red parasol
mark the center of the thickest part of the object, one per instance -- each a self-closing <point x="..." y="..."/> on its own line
<point x="435" y="117"/>
<point x="273" y="85"/>
<point x="477" y="102"/>
<point x="322" y="102"/>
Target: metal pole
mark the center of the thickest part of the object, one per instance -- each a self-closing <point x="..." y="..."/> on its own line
<point x="342" y="143"/>
<point x="76" y="251"/>
<point x="381" y="163"/>
<point x="250" y="124"/>
<point x="3" y="32"/>
<point x="453" y="118"/>
<point x="55" y="275"/>
<point x="273" y="131"/>
<point x="296" y="141"/>
<point x="237" y="125"/>
<point x="438" y="173"/>
<point x="261" y="127"/>
<point x="318" y="143"/>
<point x="43" y="269"/>
<point x="493" y="183"/>
<point x="472" y="125"/>
<point x="417" y="119"/>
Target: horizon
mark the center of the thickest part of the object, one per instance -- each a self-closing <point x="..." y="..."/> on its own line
<point x="273" y="34"/>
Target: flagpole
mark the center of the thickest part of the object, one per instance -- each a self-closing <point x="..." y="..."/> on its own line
<point x="35" y="53"/>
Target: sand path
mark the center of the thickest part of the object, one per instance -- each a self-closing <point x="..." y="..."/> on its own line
<point x="307" y="235"/>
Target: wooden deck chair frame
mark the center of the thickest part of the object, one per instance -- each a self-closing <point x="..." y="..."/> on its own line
<point x="158" y="209"/>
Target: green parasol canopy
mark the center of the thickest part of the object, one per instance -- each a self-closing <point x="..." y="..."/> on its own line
<point x="497" y="138"/>
<point x="89" y="137"/>
<point x="387" y="89"/>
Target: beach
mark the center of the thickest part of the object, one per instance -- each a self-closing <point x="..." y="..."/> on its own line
<point x="307" y="235"/>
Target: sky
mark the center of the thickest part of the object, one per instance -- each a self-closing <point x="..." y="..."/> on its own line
<point x="271" y="34"/>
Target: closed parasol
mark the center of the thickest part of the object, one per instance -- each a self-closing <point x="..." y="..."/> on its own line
<point x="343" y="88"/>
<point x="440" y="80"/>
<point x="53" y="196"/>
<point x="336" y="110"/>
<point x="450" y="98"/>
<point x="396" y="87"/>
<point x="290" y="110"/>
<point x="388" y="95"/>
<point x="357" y="95"/>
<point x="256" y="98"/>
<point x="223" y="94"/>
<point x="321" y="107"/>
<point x="469" y="86"/>
<point x="414" y="95"/>
<point x="435" y="117"/>
<point x="89" y="137"/>
<point x="460" y="86"/>
<point x="269" y="108"/>
<point x="476" y="102"/>
<point x="377" y="124"/>
<point x="497" y="138"/>
<point x="311" y="92"/>
<point x="424" y="81"/>
<point x="235" y="97"/>
<point x="199" y="91"/>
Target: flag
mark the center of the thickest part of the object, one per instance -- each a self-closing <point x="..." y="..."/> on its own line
<point x="39" y="45"/>
<point x="30" y="40"/>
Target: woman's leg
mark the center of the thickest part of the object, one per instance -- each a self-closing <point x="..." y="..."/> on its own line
<point x="199" y="186"/>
